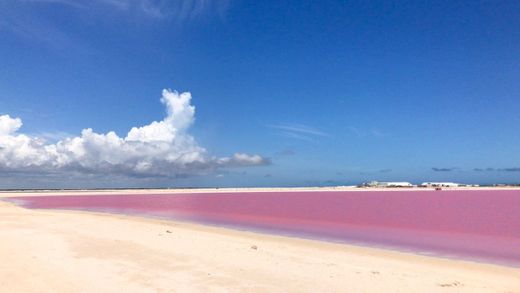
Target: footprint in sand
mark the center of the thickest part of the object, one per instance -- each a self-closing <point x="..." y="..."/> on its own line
<point x="452" y="284"/>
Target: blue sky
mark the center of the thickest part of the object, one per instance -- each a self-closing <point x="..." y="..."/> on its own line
<point x="322" y="92"/>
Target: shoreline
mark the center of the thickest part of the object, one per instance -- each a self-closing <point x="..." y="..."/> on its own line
<point x="310" y="242"/>
<point x="387" y="244"/>
<point x="372" y="248"/>
<point x="44" y="192"/>
<point x="135" y="253"/>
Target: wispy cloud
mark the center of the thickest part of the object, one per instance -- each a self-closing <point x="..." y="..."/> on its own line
<point x="71" y="3"/>
<point x="367" y="132"/>
<point x="294" y="136"/>
<point x="53" y="136"/>
<point x="372" y="172"/>
<point x="23" y="20"/>
<point x="514" y="169"/>
<point x="444" y="169"/>
<point x="286" y="152"/>
<point x="378" y="133"/>
<point x="298" y="131"/>
<point x="27" y="18"/>
<point x="160" y="9"/>
<point x="489" y="169"/>
<point x="299" y="128"/>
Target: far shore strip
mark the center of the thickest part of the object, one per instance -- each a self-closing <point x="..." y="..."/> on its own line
<point x="43" y="192"/>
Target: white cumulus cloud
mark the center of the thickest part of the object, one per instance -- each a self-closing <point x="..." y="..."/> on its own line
<point x="9" y="125"/>
<point x="161" y="148"/>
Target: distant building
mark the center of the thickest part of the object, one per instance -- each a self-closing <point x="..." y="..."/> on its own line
<point x="441" y="184"/>
<point x="387" y="184"/>
<point x="395" y="184"/>
<point x="370" y="184"/>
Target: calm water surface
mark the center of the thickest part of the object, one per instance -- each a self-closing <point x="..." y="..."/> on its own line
<point x="482" y="225"/>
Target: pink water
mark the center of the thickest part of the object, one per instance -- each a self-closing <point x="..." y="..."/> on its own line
<point x="482" y="225"/>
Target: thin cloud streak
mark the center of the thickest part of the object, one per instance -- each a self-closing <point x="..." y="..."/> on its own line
<point x="53" y="136"/>
<point x="365" y="133"/>
<point x="510" y="169"/>
<point x="294" y="136"/>
<point x="180" y="9"/>
<point x="298" y="131"/>
<point x="25" y="19"/>
<point x="286" y="152"/>
<point x="299" y="128"/>
<point x="444" y="169"/>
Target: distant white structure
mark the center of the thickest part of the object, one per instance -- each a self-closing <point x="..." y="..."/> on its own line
<point x="441" y="184"/>
<point x="387" y="184"/>
<point x="395" y="184"/>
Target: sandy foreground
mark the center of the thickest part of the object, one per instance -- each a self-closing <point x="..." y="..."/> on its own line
<point x="68" y="251"/>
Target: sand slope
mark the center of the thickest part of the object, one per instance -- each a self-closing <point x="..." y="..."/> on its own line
<point x="60" y="251"/>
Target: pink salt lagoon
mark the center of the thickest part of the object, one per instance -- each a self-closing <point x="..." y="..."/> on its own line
<point x="480" y="225"/>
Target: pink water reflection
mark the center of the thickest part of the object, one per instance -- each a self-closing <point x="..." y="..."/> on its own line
<point x="473" y="224"/>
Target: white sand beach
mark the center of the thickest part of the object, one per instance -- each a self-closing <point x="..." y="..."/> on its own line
<point x="70" y="251"/>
